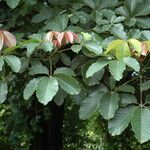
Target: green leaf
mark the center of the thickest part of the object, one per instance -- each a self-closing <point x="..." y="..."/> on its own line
<point x="68" y="83"/>
<point x="121" y="120"/>
<point x="65" y="59"/>
<point x="147" y="98"/>
<point x="127" y="99"/>
<point x="30" y="88"/>
<point x="12" y="3"/>
<point x="64" y="70"/>
<point x="31" y="48"/>
<point x="76" y="48"/>
<point x="117" y="68"/>
<point x="109" y="105"/>
<point x="119" y="33"/>
<point x="38" y="69"/>
<point x="133" y="63"/>
<point x="143" y="22"/>
<point x="78" y="99"/>
<point x="60" y="97"/>
<point x="3" y="92"/>
<point x="47" y="46"/>
<point x="145" y="86"/>
<point x="94" y="47"/>
<point x="143" y="8"/>
<point x="97" y="66"/>
<point x="141" y="124"/>
<point x="126" y="88"/>
<point x="91" y="104"/>
<point x="14" y="62"/>
<point x="131" y="5"/>
<point x="90" y="81"/>
<point x="47" y="88"/>
<point x="1" y="63"/>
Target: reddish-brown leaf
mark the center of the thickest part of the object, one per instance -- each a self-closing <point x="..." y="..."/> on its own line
<point x="144" y="49"/>
<point x="9" y="39"/>
<point x="49" y="36"/>
<point x="1" y="40"/>
<point x="69" y="36"/>
<point x="60" y="38"/>
<point x="75" y="36"/>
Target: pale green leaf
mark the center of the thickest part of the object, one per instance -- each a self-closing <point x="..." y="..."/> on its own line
<point x="30" y="88"/>
<point x="14" y="62"/>
<point x="3" y="92"/>
<point x="47" y="88"/>
<point x="133" y="63"/>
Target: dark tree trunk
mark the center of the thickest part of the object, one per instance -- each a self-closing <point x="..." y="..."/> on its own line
<point x="51" y="137"/>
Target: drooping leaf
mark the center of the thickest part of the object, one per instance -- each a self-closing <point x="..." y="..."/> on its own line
<point x="109" y="105"/>
<point x="14" y="62"/>
<point x="121" y="120"/>
<point x="47" y="88"/>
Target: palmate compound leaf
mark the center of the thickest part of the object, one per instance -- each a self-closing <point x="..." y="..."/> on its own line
<point x="3" y="92"/>
<point x="47" y="88"/>
<point x="14" y="62"/>
<point x="121" y="120"/>
<point x="141" y="124"/>
<point x="109" y="105"/>
<point x="92" y="102"/>
<point x="117" y="68"/>
<point x="68" y="83"/>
